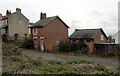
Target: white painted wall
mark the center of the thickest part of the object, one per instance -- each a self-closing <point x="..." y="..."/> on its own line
<point x="117" y="37"/>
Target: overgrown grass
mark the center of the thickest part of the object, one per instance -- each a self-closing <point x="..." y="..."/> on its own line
<point x="80" y="62"/>
<point x="29" y="66"/>
<point x="54" y="62"/>
<point x="103" y="69"/>
<point x="87" y="67"/>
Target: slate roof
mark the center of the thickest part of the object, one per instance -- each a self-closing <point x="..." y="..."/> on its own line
<point x="45" y="21"/>
<point x="86" y="33"/>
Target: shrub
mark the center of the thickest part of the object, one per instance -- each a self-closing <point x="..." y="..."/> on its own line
<point x="65" y="46"/>
<point x="82" y="47"/>
<point x="118" y="47"/>
<point x="73" y="46"/>
<point x="27" y="44"/>
<point x="4" y="38"/>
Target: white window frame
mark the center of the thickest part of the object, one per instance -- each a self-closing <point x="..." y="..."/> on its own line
<point x="102" y="37"/>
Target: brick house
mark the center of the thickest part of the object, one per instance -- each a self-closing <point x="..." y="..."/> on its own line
<point x="14" y="24"/>
<point x="89" y="36"/>
<point x="48" y="32"/>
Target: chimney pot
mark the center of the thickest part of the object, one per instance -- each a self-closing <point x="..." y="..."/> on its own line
<point x="18" y="10"/>
<point x="42" y="16"/>
<point x="8" y="12"/>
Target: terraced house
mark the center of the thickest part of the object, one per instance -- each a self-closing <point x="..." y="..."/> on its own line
<point x="48" y="32"/>
<point x="15" y="25"/>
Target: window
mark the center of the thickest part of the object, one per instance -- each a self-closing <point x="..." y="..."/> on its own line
<point x="16" y="36"/>
<point x="88" y="40"/>
<point x="0" y="23"/>
<point x="20" y="22"/>
<point x="3" y="31"/>
<point x="29" y="30"/>
<point x="34" y="30"/>
<point x="5" y="22"/>
<point x="57" y="43"/>
<point x="25" y="36"/>
<point x="102" y="38"/>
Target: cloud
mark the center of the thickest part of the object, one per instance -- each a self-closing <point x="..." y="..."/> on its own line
<point x="88" y="21"/>
<point x="110" y="27"/>
<point x="76" y="23"/>
<point x="93" y="13"/>
<point x="113" y="18"/>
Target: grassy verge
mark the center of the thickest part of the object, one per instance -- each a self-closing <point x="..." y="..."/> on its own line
<point x="15" y="62"/>
<point x="81" y="55"/>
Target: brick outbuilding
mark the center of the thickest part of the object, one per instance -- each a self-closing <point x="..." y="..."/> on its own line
<point x="48" y="32"/>
<point x="89" y="36"/>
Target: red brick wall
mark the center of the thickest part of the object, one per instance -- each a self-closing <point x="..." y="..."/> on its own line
<point x="52" y="32"/>
<point x="98" y="38"/>
<point x="90" y="46"/>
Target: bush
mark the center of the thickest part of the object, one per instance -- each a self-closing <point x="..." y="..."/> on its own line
<point x="82" y="47"/>
<point x="65" y="46"/>
<point x="27" y="44"/>
<point x="4" y="38"/>
<point x="118" y="47"/>
<point x="73" y="46"/>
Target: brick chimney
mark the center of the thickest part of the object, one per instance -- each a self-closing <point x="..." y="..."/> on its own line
<point x="110" y="39"/>
<point x="42" y="16"/>
<point x="8" y="12"/>
<point x="0" y="16"/>
<point x="18" y="10"/>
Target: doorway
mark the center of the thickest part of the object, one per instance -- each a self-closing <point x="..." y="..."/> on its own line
<point x="41" y="44"/>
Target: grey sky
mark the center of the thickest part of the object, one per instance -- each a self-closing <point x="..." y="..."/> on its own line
<point x="78" y="14"/>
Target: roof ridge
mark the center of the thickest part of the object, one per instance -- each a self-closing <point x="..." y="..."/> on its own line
<point x="87" y="29"/>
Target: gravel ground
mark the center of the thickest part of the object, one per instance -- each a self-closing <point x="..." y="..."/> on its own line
<point x="110" y="63"/>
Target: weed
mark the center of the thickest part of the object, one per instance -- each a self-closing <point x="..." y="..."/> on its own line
<point x="104" y="69"/>
<point x="118" y="68"/>
<point x="100" y="67"/>
<point x="47" y="69"/>
<point x="68" y="72"/>
<point x="80" y="62"/>
<point x="36" y="62"/>
<point x="16" y="58"/>
<point x="88" y="67"/>
<point x="60" y="68"/>
<point x="54" y="62"/>
<point x="5" y="74"/>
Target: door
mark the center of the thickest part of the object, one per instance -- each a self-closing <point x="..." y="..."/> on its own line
<point x="41" y="44"/>
<point x="35" y="43"/>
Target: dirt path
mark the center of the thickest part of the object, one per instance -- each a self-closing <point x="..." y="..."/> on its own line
<point x="64" y="58"/>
